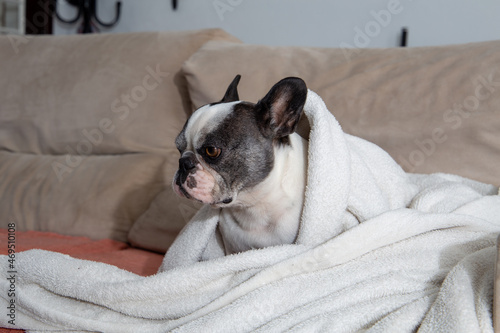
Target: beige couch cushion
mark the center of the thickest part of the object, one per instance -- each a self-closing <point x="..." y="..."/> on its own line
<point x="80" y="120"/>
<point x="434" y="109"/>
<point x="96" y="94"/>
<point x="99" y="199"/>
<point x="158" y="226"/>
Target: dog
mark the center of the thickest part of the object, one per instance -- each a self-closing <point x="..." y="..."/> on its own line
<point x="246" y="160"/>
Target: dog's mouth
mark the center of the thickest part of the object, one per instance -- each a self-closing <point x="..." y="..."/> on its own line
<point x="182" y="192"/>
<point x="180" y="189"/>
<point x="223" y="203"/>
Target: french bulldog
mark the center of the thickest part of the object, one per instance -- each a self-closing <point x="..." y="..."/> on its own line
<point x="246" y="160"/>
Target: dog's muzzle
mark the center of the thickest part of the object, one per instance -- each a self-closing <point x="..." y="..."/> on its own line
<point x="193" y="181"/>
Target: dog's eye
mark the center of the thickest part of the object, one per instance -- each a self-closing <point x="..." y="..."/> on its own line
<point x="212" y="152"/>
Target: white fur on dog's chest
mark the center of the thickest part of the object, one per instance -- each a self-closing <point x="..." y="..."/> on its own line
<point x="241" y="234"/>
<point x="270" y="214"/>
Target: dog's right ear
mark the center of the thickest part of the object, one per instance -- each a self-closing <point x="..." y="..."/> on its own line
<point x="278" y="113"/>
<point x="231" y="94"/>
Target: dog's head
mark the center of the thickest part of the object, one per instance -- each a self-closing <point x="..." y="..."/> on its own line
<point x="229" y="146"/>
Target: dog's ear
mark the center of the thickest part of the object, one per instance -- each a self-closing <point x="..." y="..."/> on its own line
<point x="231" y="94"/>
<point x="278" y="113"/>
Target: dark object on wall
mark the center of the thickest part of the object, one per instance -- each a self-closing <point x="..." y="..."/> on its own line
<point x="87" y="9"/>
<point x="174" y="4"/>
<point x="404" y="37"/>
<point x="38" y="17"/>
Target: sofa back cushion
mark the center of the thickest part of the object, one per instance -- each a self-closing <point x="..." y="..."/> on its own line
<point x="434" y="109"/>
<point x="95" y="94"/>
<point x="99" y="199"/>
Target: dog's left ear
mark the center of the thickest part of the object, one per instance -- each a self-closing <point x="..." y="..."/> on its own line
<point x="278" y="113"/>
<point x="231" y="94"/>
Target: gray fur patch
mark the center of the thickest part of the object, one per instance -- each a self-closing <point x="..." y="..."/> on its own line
<point x="247" y="157"/>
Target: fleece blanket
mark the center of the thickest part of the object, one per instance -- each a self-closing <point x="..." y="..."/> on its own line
<point x="378" y="250"/>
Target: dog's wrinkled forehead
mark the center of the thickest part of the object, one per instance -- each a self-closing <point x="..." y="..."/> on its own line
<point x="203" y="121"/>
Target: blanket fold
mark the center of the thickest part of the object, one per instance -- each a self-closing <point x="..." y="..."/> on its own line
<point x="378" y="250"/>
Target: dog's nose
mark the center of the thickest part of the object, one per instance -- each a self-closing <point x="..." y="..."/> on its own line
<point x="187" y="162"/>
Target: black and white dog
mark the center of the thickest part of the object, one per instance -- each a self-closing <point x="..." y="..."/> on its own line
<point x="246" y="160"/>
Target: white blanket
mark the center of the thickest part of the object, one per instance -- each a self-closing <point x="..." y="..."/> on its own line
<point x="377" y="250"/>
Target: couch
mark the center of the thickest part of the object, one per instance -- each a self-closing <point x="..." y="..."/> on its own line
<point x="87" y="125"/>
